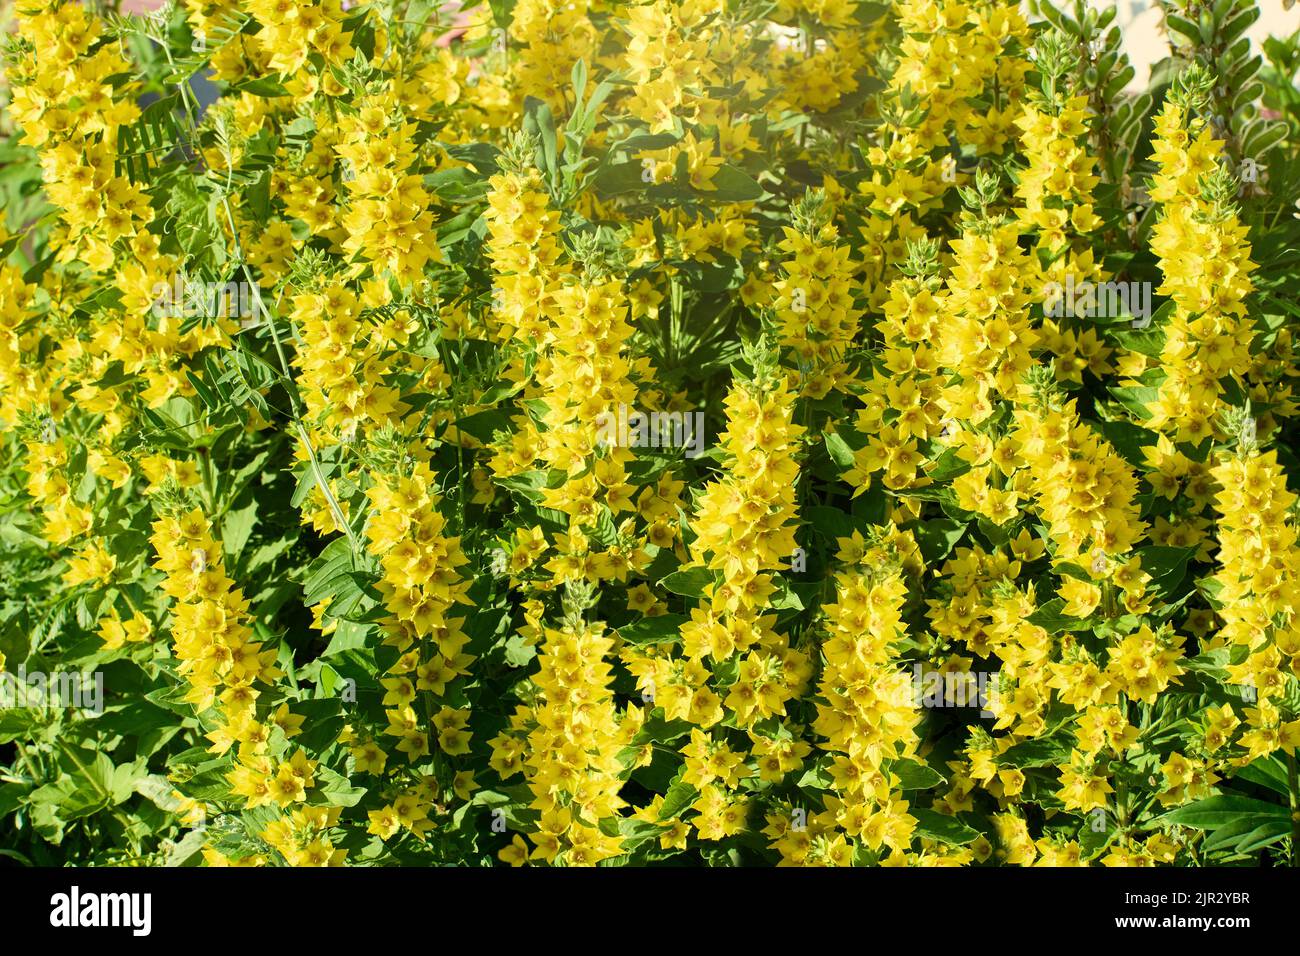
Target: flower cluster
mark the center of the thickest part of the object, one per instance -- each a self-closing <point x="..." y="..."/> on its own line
<point x="654" y="435"/>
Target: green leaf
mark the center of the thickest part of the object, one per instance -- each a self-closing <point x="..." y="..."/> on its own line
<point x="1042" y="752"/>
<point x="636" y="832"/>
<point x="658" y="730"/>
<point x="936" y="537"/>
<point x="1136" y="398"/>
<point x="1050" y="618"/>
<point x="690" y="582"/>
<point x="839" y="450"/>
<point x="817" y="777"/>
<point x="237" y="526"/>
<point x="323" y="574"/>
<point x="1268" y="772"/>
<point x="1214" y="812"/>
<point x="1128" y="439"/>
<point x="18" y="723"/>
<point x="539" y="121"/>
<point x="261" y="87"/>
<point x="1167" y="567"/>
<point x="913" y="775"/>
<point x="732" y="184"/>
<point x="1244" y="836"/>
<point x="187" y="849"/>
<point x="947" y="466"/>
<point x="678" y="798"/>
<point x="483" y="425"/>
<point x="337" y="789"/>
<point x="347" y="636"/>
<point x="619" y="178"/>
<point x="653" y="630"/>
<point x="945" y="829"/>
<point x="158" y="790"/>
<point x="578" y="77"/>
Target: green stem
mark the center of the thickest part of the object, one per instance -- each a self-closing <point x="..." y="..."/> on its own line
<point x="1293" y="787"/>
<point x="291" y="385"/>
<point x="209" y="486"/>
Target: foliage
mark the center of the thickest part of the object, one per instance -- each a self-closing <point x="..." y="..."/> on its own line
<point x="726" y="432"/>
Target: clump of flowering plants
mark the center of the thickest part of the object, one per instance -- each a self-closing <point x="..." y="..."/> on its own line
<point x="717" y="431"/>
